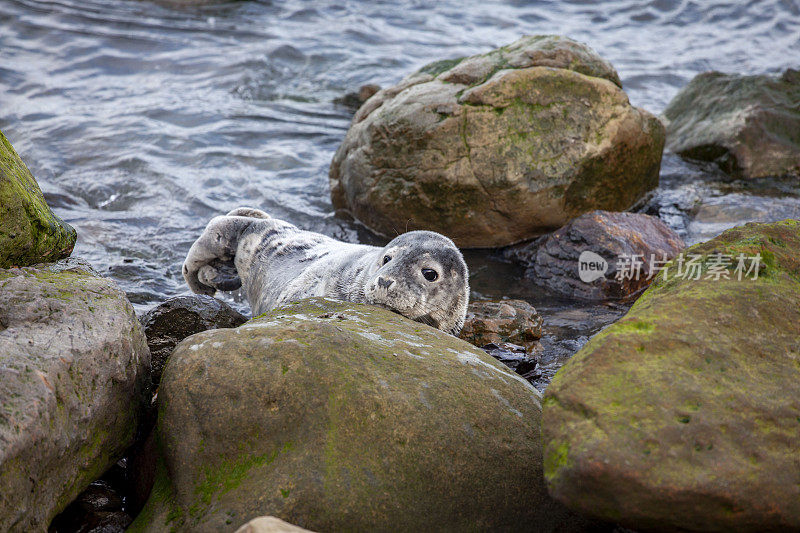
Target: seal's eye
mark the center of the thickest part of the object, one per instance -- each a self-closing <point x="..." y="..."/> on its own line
<point x="429" y="274"/>
<point x="386" y="259"/>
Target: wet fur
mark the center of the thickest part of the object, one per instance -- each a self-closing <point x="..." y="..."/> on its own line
<point x="277" y="263"/>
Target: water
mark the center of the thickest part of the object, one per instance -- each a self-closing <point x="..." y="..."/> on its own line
<point x="143" y="120"/>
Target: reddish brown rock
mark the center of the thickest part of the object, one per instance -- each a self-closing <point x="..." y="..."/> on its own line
<point x="500" y="321"/>
<point x="622" y="240"/>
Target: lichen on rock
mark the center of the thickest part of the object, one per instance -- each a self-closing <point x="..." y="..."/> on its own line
<point x="74" y="373"/>
<point x="498" y="148"/>
<point x="685" y="414"/>
<point x="338" y="416"/>
<point x="29" y="231"/>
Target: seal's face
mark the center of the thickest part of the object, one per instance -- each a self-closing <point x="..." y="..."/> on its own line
<point x="423" y="276"/>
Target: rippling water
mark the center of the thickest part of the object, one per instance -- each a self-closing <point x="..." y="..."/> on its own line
<point x="143" y="120"/>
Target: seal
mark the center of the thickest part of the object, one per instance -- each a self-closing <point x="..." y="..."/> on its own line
<point x="420" y="274"/>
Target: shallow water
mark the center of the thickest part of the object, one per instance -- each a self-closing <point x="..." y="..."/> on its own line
<point x="143" y="120"/>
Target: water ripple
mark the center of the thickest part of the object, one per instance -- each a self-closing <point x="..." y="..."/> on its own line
<point x="142" y="120"/>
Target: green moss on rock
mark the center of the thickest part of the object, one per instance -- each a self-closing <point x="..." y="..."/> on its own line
<point x="337" y="416"/>
<point x="498" y="148"/>
<point x="657" y="421"/>
<point x="29" y="231"/>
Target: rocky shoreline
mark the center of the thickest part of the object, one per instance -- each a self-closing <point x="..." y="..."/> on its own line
<point x="682" y="414"/>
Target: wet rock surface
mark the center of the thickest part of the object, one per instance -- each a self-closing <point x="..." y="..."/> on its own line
<point x="624" y="250"/>
<point x="517" y="358"/>
<point x="172" y="321"/>
<point x="748" y="125"/>
<point x="342" y="416"/>
<point x="684" y="414"/>
<point x="29" y="231"/>
<point x="74" y="374"/>
<point x="540" y="131"/>
<point x="98" y="509"/>
<point x="502" y="321"/>
<point x="698" y="201"/>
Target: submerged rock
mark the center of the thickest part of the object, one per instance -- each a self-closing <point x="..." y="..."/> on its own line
<point x="748" y="125"/>
<point x="502" y="321"/>
<point x="624" y="250"/>
<point x="685" y="414"/>
<point x="497" y="148"/>
<point x="29" y="232"/>
<point x="168" y="323"/>
<point x="342" y="417"/>
<point x="74" y="369"/>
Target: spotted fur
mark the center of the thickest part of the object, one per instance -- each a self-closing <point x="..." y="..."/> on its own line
<point x="277" y="263"/>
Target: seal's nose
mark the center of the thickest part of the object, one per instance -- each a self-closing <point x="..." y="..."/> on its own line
<point x="385" y="284"/>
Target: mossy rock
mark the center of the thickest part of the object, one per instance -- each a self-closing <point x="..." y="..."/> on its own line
<point x="29" y="232"/>
<point x="748" y="125"/>
<point x="344" y="417"/>
<point x="685" y="414"/>
<point x="498" y="148"/>
<point x="74" y="374"/>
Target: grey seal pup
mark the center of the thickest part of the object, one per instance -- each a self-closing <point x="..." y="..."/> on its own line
<point x="420" y="274"/>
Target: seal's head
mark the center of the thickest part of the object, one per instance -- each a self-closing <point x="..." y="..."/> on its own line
<point x="423" y="276"/>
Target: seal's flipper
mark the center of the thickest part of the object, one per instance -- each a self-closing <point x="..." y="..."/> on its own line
<point x="220" y="275"/>
<point x="209" y="265"/>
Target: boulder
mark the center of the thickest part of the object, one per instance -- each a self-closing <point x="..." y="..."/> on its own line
<point x="29" y="232"/>
<point x="685" y="414"/>
<point x="497" y="148"/>
<point x="168" y="323"/>
<point x="74" y="368"/>
<point x="345" y="417"/>
<point x="748" y="125"/>
<point x="628" y="249"/>
<point x="502" y="321"/>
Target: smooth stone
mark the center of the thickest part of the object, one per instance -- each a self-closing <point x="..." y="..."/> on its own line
<point x="168" y="323"/>
<point x="622" y="240"/>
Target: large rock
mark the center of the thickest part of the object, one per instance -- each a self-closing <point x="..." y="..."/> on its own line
<point x="685" y="414"/>
<point x="344" y="417"/>
<point x="748" y="125"/>
<point x="629" y="248"/>
<point x="497" y="148"/>
<point x="168" y="323"/>
<point x="29" y="232"/>
<point x="73" y="372"/>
